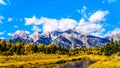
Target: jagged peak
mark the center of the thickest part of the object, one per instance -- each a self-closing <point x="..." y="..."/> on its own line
<point x="21" y="34"/>
<point x="116" y="36"/>
<point x="69" y="38"/>
<point x="37" y="33"/>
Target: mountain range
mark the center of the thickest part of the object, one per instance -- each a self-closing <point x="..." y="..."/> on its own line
<point x="65" y="39"/>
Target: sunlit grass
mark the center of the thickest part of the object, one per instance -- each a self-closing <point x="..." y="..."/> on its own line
<point x="39" y="59"/>
<point x="107" y="62"/>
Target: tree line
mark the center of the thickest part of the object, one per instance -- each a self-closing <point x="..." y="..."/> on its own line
<point x="111" y="47"/>
<point x="21" y="48"/>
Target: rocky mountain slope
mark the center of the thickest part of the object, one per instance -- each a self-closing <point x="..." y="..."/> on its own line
<point x="116" y="37"/>
<point x="66" y="39"/>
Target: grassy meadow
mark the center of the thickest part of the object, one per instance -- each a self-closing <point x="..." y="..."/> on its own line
<point x="35" y="60"/>
<point x="50" y="60"/>
<point x="107" y="62"/>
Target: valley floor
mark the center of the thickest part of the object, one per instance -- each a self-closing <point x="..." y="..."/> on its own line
<point x="50" y="60"/>
<point x="35" y="60"/>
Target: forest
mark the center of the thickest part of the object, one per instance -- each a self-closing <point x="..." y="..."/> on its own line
<point x="21" y="48"/>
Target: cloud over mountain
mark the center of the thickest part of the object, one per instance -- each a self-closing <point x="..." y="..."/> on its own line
<point x="113" y="32"/>
<point x="18" y="31"/>
<point x="92" y="25"/>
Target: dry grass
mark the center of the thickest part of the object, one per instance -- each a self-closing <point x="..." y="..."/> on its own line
<point x="34" y="59"/>
<point x="41" y="60"/>
<point x="107" y="62"/>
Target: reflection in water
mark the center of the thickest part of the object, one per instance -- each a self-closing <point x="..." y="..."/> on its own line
<point x="81" y="64"/>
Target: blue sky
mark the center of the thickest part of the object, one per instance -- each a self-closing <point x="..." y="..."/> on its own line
<point x="96" y="17"/>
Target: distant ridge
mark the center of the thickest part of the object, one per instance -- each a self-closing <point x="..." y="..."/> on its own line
<point x="66" y="39"/>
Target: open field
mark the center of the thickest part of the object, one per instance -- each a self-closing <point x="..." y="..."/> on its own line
<point x="41" y="60"/>
<point x="107" y="62"/>
<point x="35" y="60"/>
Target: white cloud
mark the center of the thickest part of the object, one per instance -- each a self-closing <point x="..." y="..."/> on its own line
<point x="83" y="11"/>
<point x="65" y="24"/>
<point x="84" y="8"/>
<point x="1" y="18"/>
<point x="99" y="32"/>
<point x="49" y="24"/>
<point x="3" y="2"/>
<point x="10" y="34"/>
<point x="91" y="26"/>
<point x="33" y="20"/>
<point x="18" y="31"/>
<point x="36" y="28"/>
<point x="98" y="16"/>
<point x="115" y="31"/>
<point x="52" y="24"/>
<point x="15" y="26"/>
<point x="10" y="19"/>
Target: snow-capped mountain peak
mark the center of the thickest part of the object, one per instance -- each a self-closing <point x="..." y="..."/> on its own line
<point x="66" y="39"/>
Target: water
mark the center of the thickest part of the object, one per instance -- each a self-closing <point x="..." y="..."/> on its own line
<point x="80" y="64"/>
